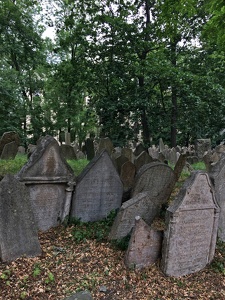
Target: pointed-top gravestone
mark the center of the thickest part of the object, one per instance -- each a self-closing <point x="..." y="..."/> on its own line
<point x="139" y="149"/>
<point x="156" y="178"/>
<point x="142" y="159"/>
<point x="18" y="231"/>
<point x="144" y="247"/>
<point x="98" y="191"/>
<point x="46" y="163"/>
<point x="105" y="144"/>
<point x="192" y="221"/>
<point x="217" y="176"/>
<point x="47" y="176"/>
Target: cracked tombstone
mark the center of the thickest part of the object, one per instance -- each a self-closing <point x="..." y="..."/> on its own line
<point x="192" y="222"/>
<point x="18" y="231"/>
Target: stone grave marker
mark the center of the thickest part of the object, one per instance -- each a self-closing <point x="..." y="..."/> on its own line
<point x="143" y="205"/>
<point x="18" y="231"/>
<point x="192" y="221"/>
<point x="105" y="144"/>
<point x="156" y="178"/>
<point x="90" y="150"/>
<point x="98" y="190"/>
<point x="9" y="151"/>
<point x="119" y="161"/>
<point x="202" y="146"/>
<point x="153" y="152"/>
<point x="142" y="159"/>
<point x="161" y="145"/>
<point x="139" y="149"/>
<point x="9" y="137"/>
<point x="127" y="175"/>
<point x="68" y="152"/>
<point x="128" y="153"/>
<point x="47" y="176"/>
<point x="217" y="176"/>
<point x="144" y="247"/>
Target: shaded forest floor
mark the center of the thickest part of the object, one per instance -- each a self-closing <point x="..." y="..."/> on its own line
<point x="72" y="262"/>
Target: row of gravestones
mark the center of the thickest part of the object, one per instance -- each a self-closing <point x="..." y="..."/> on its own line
<point x="43" y="194"/>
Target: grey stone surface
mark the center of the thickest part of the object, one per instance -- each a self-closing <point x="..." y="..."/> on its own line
<point x="192" y="222"/>
<point x="98" y="190"/>
<point x="157" y="179"/>
<point x="105" y="144"/>
<point x="128" y="153"/>
<point x="18" y="231"/>
<point x="9" y="151"/>
<point x="83" y="295"/>
<point x="217" y="176"/>
<point x="144" y="247"/>
<point x="47" y="176"/>
<point x="142" y="205"/>
<point x="142" y="159"/>
<point x="119" y="161"/>
<point x="68" y="151"/>
<point x="127" y="175"/>
<point x="9" y="137"/>
<point x="139" y="149"/>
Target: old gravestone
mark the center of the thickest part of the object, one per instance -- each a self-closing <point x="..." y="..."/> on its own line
<point x="143" y="205"/>
<point x="48" y="176"/>
<point x="192" y="221"/>
<point x="142" y="159"/>
<point x="98" y="190"/>
<point x="90" y="150"/>
<point x="9" y="151"/>
<point x="68" y="152"/>
<point x="7" y="138"/>
<point x="127" y="175"/>
<point x="105" y="144"/>
<point x="217" y="176"/>
<point x="119" y="161"/>
<point x="202" y="146"/>
<point x="144" y="247"/>
<point x="157" y="179"/>
<point x="18" y="231"/>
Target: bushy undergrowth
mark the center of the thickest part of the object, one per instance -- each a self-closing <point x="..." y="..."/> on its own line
<point x="78" y="165"/>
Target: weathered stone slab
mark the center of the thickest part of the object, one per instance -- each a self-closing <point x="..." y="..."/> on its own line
<point x="127" y="175"/>
<point x="105" y="144"/>
<point x="192" y="221"/>
<point x="18" y="231"/>
<point x="139" y="149"/>
<point x="142" y="159"/>
<point x="9" y="137"/>
<point x="90" y="150"/>
<point x="144" y="247"/>
<point x="9" y="151"/>
<point x="119" y="161"/>
<point x="68" y="151"/>
<point x="157" y="179"/>
<point x="142" y="205"/>
<point x="47" y="176"/>
<point x="128" y="153"/>
<point x="98" y="191"/>
<point x="83" y="295"/>
<point x="202" y="146"/>
<point x="217" y="176"/>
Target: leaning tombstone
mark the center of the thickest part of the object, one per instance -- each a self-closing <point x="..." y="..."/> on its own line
<point x="143" y="205"/>
<point x="161" y="145"/>
<point x="217" y="176"/>
<point x="98" y="190"/>
<point x="68" y="152"/>
<point x="9" y="137"/>
<point x="127" y="175"/>
<point x="144" y="247"/>
<point x="156" y="178"/>
<point x="139" y="149"/>
<point x="9" y="151"/>
<point x="192" y="222"/>
<point x="47" y="176"/>
<point x="18" y="232"/>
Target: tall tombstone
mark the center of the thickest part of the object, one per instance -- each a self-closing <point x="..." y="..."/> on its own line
<point x="9" y="137"/>
<point x="144" y="247"/>
<point x="156" y="178"/>
<point x="90" y="150"/>
<point x="192" y="222"/>
<point x="143" y="205"/>
<point x="119" y="161"/>
<point x="161" y="145"/>
<point x="217" y="176"/>
<point x="127" y="175"/>
<point x="105" y="144"/>
<point x="9" y="151"/>
<point x="47" y="176"/>
<point x="202" y="146"/>
<point x="128" y="153"/>
<point x="18" y="231"/>
<point x="98" y="190"/>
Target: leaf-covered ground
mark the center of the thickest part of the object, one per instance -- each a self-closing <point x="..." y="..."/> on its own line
<point x="67" y="266"/>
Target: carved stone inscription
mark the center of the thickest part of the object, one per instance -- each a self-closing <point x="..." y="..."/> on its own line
<point x="47" y="201"/>
<point x="190" y="238"/>
<point x="98" y="191"/>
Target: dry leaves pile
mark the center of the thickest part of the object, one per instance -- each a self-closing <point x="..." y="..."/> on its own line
<point x="67" y="266"/>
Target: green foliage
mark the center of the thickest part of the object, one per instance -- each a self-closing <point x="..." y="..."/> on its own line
<point x="12" y="166"/>
<point x="78" y="165"/>
<point x="36" y="270"/>
<point x="199" y="166"/>
<point x="92" y="230"/>
<point x="121" y="244"/>
<point x="50" y="279"/>
<point x="218" y="264"/>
